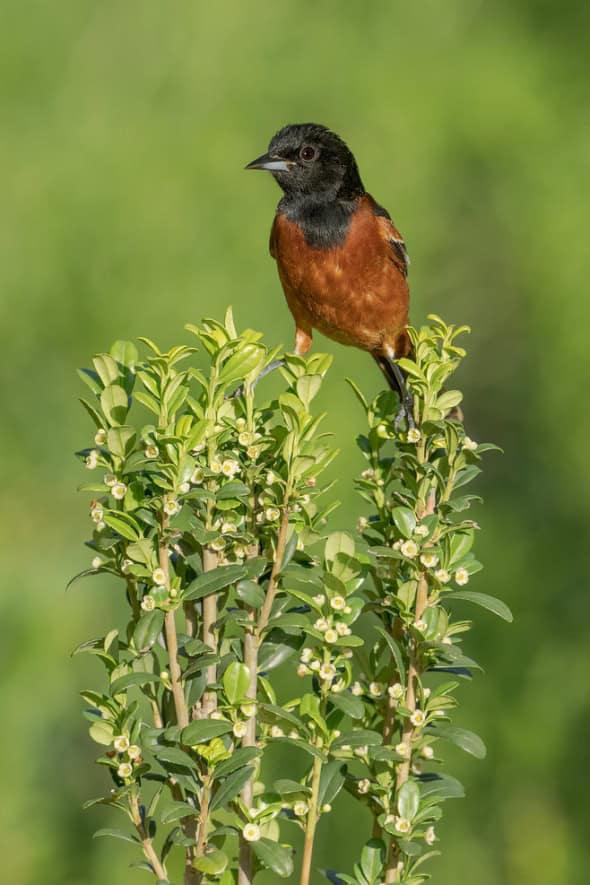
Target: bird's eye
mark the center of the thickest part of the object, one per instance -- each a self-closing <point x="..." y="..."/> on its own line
<point x="308" y="153"/>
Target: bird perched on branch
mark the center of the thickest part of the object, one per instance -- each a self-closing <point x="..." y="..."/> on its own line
<point x="342" y="262"/>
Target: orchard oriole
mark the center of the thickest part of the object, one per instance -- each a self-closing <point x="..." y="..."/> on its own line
<point x="342" y="262"/>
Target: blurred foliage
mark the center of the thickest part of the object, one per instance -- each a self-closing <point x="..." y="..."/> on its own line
<point x="125" y="212"/>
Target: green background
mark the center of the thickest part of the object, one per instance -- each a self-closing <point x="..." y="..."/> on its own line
<point x="124" y="129"/>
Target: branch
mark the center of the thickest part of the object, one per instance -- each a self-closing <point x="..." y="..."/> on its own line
<point x="312" y="820"/>
<point x="180" y="704"/>
<point x="276" y="568"/>
<point x="146" y="843"/>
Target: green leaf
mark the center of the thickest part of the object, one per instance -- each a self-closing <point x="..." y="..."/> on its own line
<point x="176" y="810"/>
<point x="307" y="387"/>
<point x="461" y="737"/>
<point x="303" y="745"/>
<point x="332" y="779"/>
<point x="274" y="857"/>
<point x="445" y="786"/>
<point x="348" y="703"/>
<point x="120" y="440"/>
<point x="247" y="358"/>
<point x="255" y="567"/>
<point x="461" y="543"/>
<point x="488" y="602"/>
<point x="231" y="786"/>
<point x="118" y="834"/>
<point x="147" y="630"/>
<point x="203" y="730"/>
<point x="174" y="756"/>
<point x="125" y="352"/>
<point x="106" y="368"/>
<point x="115" y="404"/>
<point x="405" y="520"/>
<point x="338" y="542"/>
<point x="236" y="681"/>
<point x="101" y="732"/>
<point x="214" y="581"/>
<point x="233" y="489"/>
<point x="310" y="706"/>
<point x="238" y="759"/>
<point x="395" y="652"/>
<point x="360" y="737"/>
<point x="408" y="800"/>
<point x="132" y="679"/>
<point x="372" y="859"/>
<point x="123" y="525"/>
<point x="448" y="400"/>
<point x="213" y="863"/>
<point x="286" y="787"/>
<point x="250" y="593"/>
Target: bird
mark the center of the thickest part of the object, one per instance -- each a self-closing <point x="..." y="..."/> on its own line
<point x="342" y="262"/>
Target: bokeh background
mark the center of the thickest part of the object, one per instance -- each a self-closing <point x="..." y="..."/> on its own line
<point x="124" y="128"/>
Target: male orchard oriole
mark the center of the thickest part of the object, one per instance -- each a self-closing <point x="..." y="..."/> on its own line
<point x="342" y="262"/>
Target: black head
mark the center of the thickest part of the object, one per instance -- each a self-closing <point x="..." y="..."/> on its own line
<point x="311" y="161"/>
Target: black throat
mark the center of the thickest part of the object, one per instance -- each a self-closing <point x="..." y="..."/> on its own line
<point x="324" y="223"/>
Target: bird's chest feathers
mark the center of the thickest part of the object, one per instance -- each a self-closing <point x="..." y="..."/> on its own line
<point x="325" y="274"/>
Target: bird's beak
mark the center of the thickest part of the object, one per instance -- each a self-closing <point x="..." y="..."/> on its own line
<point x="271" y="164"/>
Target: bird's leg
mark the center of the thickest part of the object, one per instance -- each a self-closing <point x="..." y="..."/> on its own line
<point x="395" y="379"/>
<point x="275" y="364"/>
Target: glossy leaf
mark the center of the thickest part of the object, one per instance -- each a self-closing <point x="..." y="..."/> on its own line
<point x="463" y="738"/>
<point x="203" y="730"/>
<point x="236" y="681"/>
<point x="214" y="581"/>
<point x="496" y="606"/>
<point x="274" y="857"/>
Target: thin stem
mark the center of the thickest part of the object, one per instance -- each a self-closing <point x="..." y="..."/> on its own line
<point x="209" y="702"/>
<point x="312" y="820"/>
<point x="203" y="818"/>
<point x="180" y="704"/>
<point x="403" y="768"/>
<point x="249" y="740"/>
<point x="146" y="843"/>
<point x="276" y="568"/>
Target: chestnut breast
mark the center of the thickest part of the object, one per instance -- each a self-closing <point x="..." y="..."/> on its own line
<point x="355" y="292"/>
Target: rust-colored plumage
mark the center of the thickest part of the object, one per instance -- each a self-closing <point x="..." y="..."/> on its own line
<point x="355" y="293"/>
<point x="342" y="262"/>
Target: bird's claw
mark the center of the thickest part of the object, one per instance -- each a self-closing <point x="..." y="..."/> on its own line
<point x="406" y="410"/>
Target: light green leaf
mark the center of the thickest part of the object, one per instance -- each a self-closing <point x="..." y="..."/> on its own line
<point x="482" y="599"/>
<point x="106" y="368"/>
<point x="115" y="404"/>
<point x="120" y="440"/>
<point x="372" y="859"/>
<point x="338" y="542"/>
<point x="212" y="864"/>
<point x="125" y="352"/>
<point x="236" y="681"/>
<point x="408" y="800"/>
<point x="307" y="387"/>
